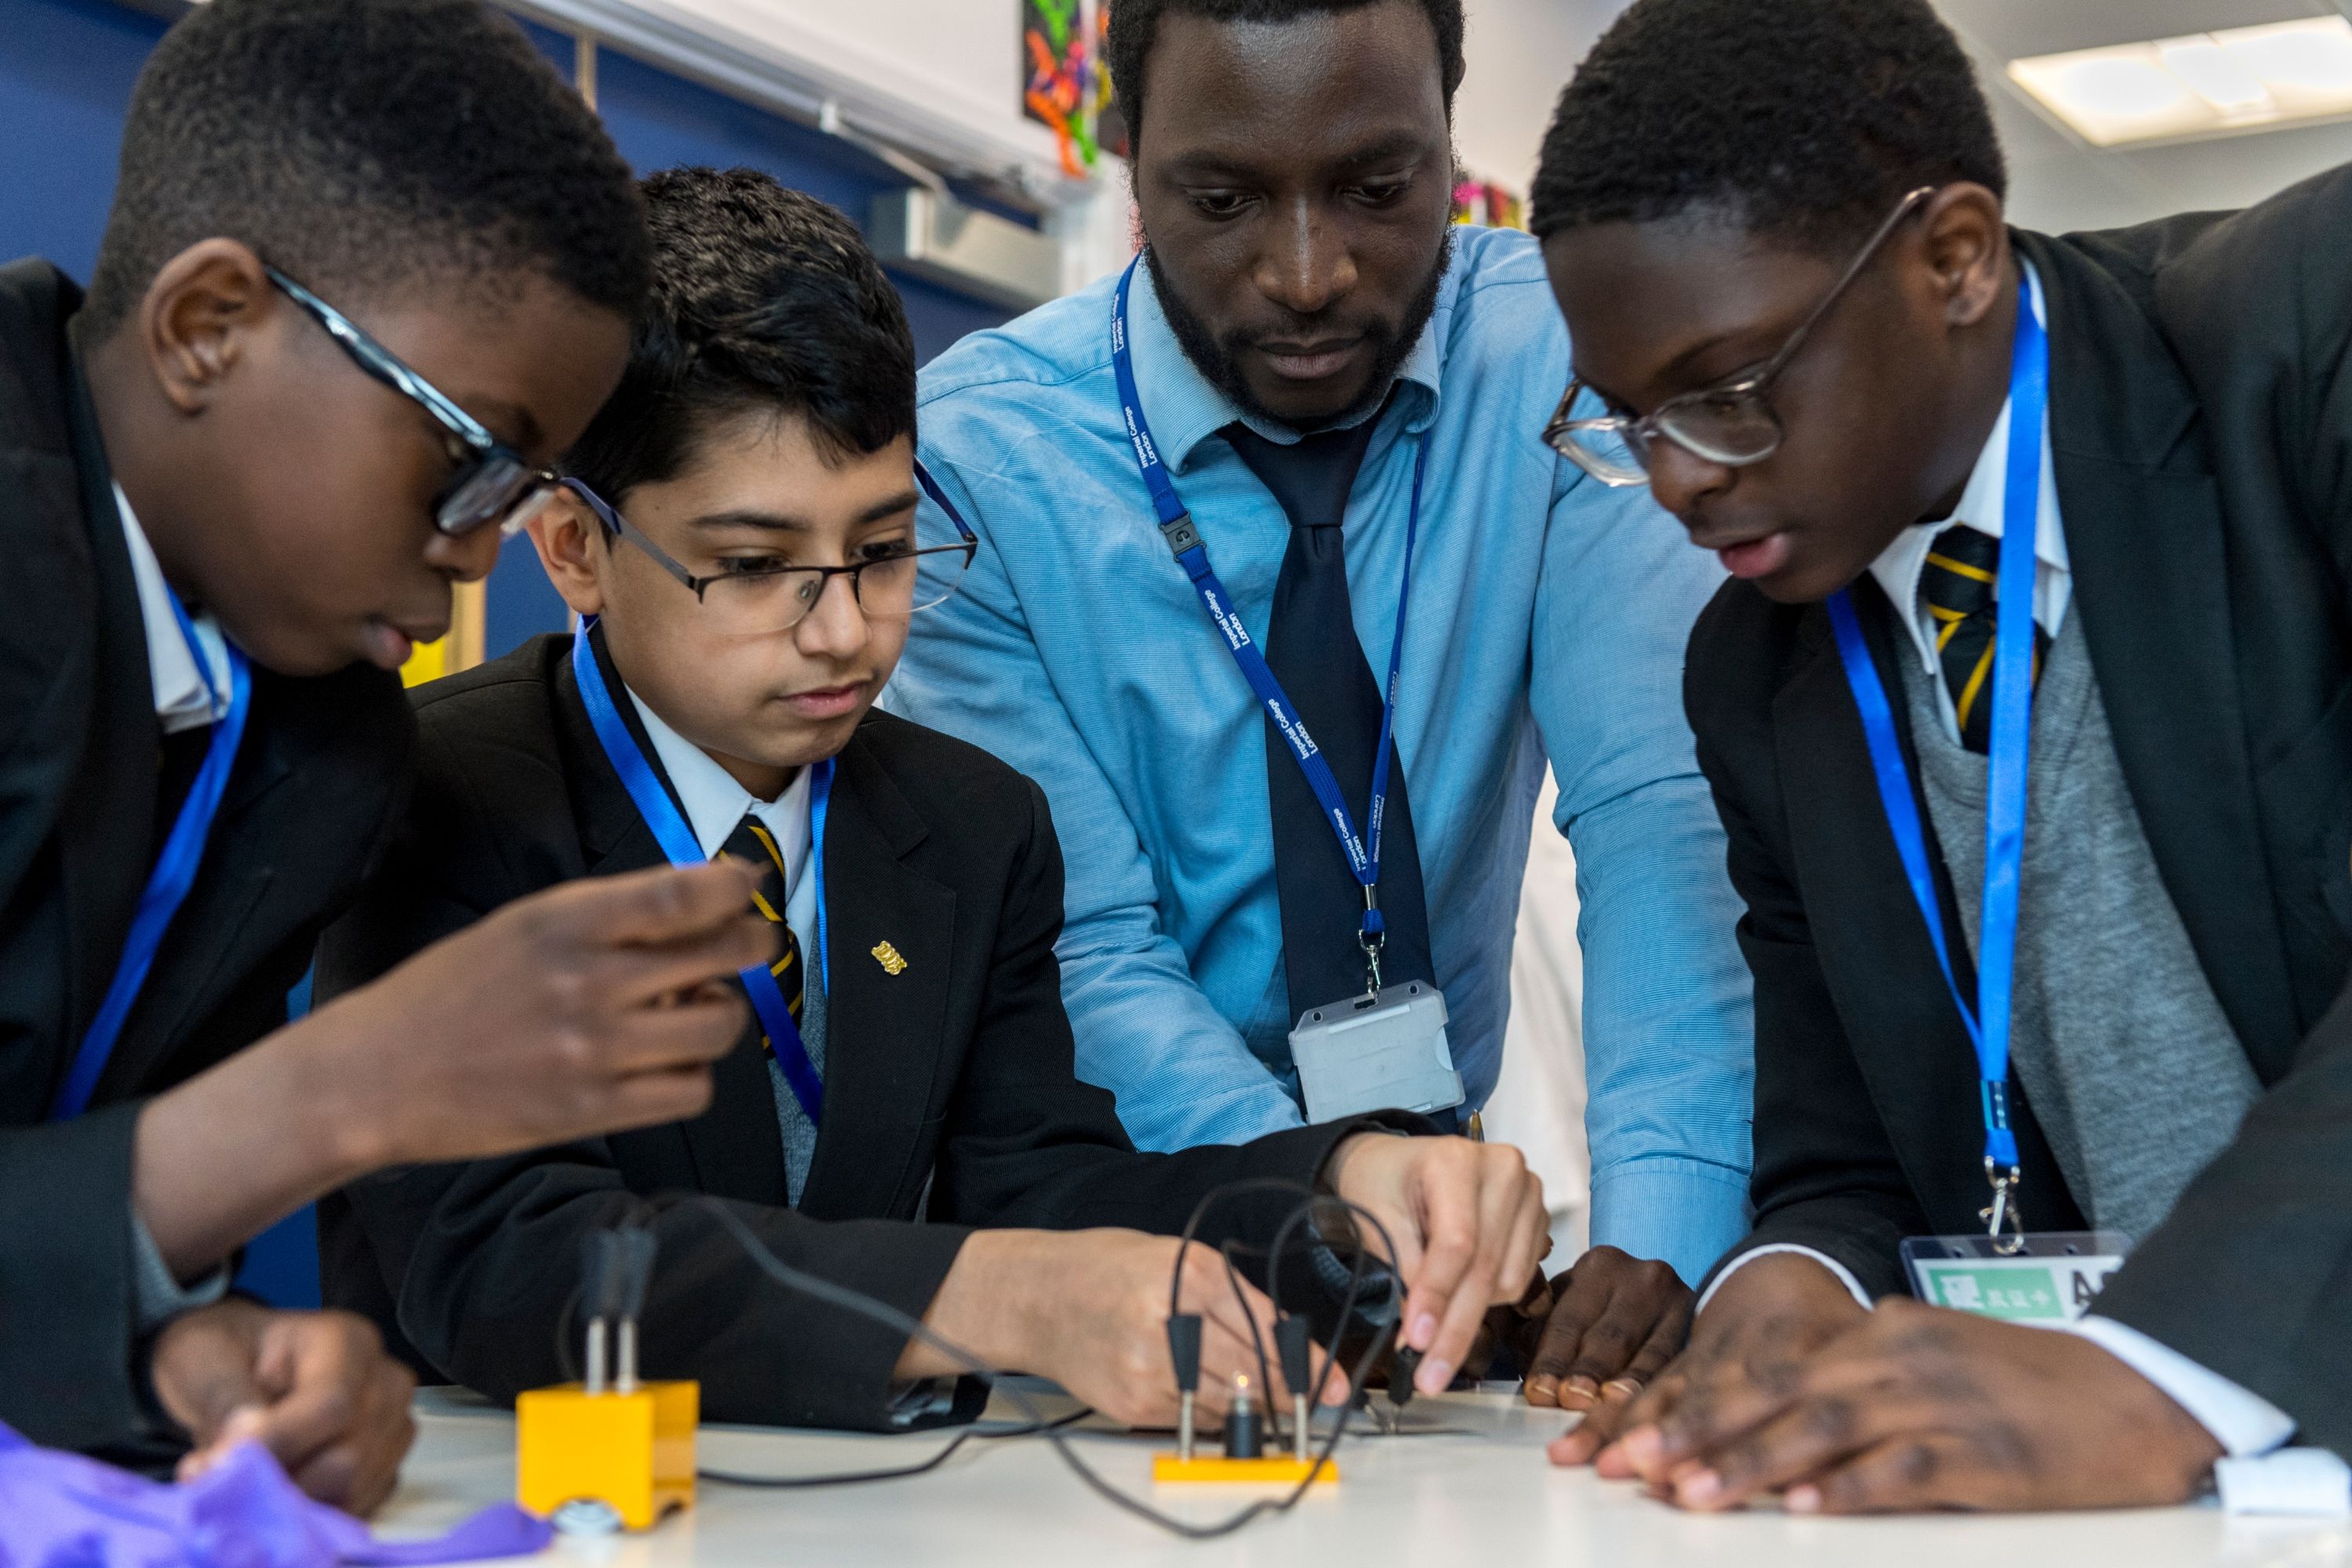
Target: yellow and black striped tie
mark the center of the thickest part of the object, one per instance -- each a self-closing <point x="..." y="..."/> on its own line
<point x="1958" y="587"/>
<point x="753" y="843"/>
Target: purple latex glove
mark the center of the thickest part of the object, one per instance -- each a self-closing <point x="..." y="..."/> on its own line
<point x="63" y="1511"/>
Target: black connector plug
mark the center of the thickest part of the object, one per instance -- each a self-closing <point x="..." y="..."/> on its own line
<point x="1185" y="1352"/>
<point x="1402" y="1367"/>
<point x="1293" y="1336"/>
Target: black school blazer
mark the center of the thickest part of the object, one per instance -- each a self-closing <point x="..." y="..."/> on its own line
<point x="308" y="805"/>
<point x="949" y="1093"/>
<point x="2202" y="420"/>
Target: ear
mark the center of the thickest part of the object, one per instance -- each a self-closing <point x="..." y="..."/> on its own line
<point x="573" y="548"/>
<point x="199" y="318"/>
<point x="1966" y="240"/>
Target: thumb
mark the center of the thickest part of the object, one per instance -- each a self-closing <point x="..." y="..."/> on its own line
<point x="244" y="1424"/>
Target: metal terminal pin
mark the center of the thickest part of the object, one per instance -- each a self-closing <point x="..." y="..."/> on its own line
<point x="1184" y="1426"/>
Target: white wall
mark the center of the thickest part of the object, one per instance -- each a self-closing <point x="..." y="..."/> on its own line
<point x="1518" y="54"/>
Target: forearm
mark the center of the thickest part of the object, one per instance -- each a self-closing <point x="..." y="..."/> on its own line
<point x="988" y="1305"/>
<point x="231" y="1152"/>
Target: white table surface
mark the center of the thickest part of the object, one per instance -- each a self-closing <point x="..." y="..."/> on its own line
<point x="1483" y="1496"/>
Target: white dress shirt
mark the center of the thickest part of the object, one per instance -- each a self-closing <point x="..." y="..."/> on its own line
<point x="715" y="803"/>
<point x="2242" y="1422"/>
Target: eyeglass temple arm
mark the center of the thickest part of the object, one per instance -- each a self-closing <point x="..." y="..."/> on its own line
<point x="1779" y="361"/>
<point x="629" y="531"/>
<point x="931" y="488"/>
<point x="378" y="361"/>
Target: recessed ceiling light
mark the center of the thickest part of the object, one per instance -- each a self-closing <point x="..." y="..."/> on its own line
<point x="2165" y="89"/>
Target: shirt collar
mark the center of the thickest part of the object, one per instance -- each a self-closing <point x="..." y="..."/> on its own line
<point x="185" y="695"/>
<point x="1982" y="505"/>
<point x="1184" y="407"/>
<point x="715" y="803"/>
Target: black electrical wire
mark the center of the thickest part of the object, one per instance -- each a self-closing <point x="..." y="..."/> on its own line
<point x="861" y="1477"/>
<point x="890" y="1317"/>
<point x="1257" y="1340"/>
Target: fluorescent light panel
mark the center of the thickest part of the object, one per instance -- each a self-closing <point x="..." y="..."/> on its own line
<point x="2241" y="78"/>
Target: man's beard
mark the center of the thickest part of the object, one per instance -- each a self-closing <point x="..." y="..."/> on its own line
<point x="1219" y="360"/>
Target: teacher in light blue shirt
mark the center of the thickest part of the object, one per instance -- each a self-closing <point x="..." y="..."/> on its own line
<point x="1301" y="289"/>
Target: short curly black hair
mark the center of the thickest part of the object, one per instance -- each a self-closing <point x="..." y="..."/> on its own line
<point x="366" y="147"/>
<point x="764" y="300"/>
<point x="1804" y="120"/>
<point x="1135" y="28"/>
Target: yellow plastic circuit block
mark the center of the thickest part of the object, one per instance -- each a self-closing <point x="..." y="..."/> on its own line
<point x="634" y="1451"/>
<point x="1287" y="1469"/>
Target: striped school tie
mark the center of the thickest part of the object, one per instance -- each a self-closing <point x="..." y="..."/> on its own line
<point x="754" y="844"/>
<point x="1958" y="588"/>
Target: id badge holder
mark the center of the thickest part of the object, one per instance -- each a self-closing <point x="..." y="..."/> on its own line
<point x="2049" y="1276"/>
<point x="1386" y="1051"/>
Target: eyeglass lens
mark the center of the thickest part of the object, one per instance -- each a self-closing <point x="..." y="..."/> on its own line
<point x="749" y="604"/>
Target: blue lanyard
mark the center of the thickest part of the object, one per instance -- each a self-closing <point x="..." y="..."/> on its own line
<point x="168" y="883"/>
<point x="2012" y="703"/>
<point x="681" y="847"/>
<point x="1185" y="540"/>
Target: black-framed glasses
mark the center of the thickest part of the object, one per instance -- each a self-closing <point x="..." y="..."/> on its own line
<point x="492" y="482"/>
<point x="756" y="597"/>
<point x="1732" y="423"/>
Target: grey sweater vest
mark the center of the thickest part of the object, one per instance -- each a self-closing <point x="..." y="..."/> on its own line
<point x="2133" y="1071"/>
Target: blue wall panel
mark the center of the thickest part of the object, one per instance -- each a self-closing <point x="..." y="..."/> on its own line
<point x="66" y="71"/>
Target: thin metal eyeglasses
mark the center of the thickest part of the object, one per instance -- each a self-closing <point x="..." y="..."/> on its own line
<point x="1732" y="423"/>
<point x="768" y="596"/>
<point x="493" y="482"/>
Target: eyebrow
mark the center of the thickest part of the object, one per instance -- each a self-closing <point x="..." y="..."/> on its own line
<point x="510" y="422"/>
<point x="787" y="522"/>
<point x="1395" y="147"/>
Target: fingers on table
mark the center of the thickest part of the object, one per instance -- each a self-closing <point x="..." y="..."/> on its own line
<point x="1618" y="1320"/>
<point x="1481" y="1247"/>
<point x="1903" y="1474"/>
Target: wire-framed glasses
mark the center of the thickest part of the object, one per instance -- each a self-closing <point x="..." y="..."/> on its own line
<point x="758" y="596"/>
<point x="1732" y="423"/>
<point x="492" y="482"/>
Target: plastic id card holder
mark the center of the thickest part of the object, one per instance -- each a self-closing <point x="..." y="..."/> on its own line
<point x="1382" y="1052"/>
<point x="2052" y="1279"/>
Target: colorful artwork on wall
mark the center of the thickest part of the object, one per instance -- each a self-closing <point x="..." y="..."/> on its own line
<point x="1066" y="85"/>
<point x="1475" y="201"/>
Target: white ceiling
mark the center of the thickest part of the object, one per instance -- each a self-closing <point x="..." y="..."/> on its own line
<point x="2058" y="181"/>
<point x="1520" y="50"/>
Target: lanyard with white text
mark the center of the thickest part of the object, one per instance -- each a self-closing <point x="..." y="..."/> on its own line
<point x="1185" y="540"/>
<point x="168" y="883"/>
<point x="681" y="847"/>
<point x="2012" y="702"/>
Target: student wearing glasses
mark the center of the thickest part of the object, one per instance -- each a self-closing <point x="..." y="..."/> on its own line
<point x="230" y="508"/>
<point x="2027" y="719"/>
<point x="737" y="534"/>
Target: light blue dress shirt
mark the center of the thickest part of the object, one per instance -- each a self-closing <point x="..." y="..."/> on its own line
<point x="1548" y="618"/>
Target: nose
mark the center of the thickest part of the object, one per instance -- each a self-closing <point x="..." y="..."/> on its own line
<point x="1680" y="478"/>
<point x="835" y="629"/>
<point x="1306" y="266"/>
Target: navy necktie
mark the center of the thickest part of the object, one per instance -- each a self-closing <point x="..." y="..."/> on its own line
<point x="1311" y="647"/>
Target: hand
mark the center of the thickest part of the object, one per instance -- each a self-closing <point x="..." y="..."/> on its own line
<point x="1745" y="1349"/>
<point x="1615" y="1321"/>
<point x="316" y="1389"/>
<point x="1922" y="1408"/>
<point x="1089" y="1310"/>
<point x="590" y="1008"/>
<point x="1469" y="1224"/>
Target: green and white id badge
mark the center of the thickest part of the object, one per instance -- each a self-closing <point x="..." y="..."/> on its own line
<point x="2042" y="1277"/>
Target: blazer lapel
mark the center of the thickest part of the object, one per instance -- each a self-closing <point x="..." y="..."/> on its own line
<point x="884" y="1022"/>
<point x="1873" y="945"/>
<point x="736" y="1147"/>
<point x="2151" y="579"/>
<point x="106" y="833"/>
